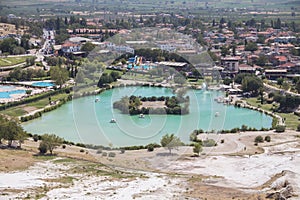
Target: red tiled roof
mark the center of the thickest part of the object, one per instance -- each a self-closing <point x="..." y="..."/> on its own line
<point x="288" y="64"/>
<point x="281" y="58"/>
<point x="69" y="44"/>
<point x="246" y="67"/>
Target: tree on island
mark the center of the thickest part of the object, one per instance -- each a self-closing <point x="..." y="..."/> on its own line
<point x="49" y="143"/>
<point x="59" y="75"/>
<point x="170" y="142"/>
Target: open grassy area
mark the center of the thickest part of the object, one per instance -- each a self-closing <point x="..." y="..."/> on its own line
<point x="291" y="120"/>
<point x="21" y="109"/>
<point x="14" y="111"/>
<point x="11" y="159"/>
<point x="9" y="61"/>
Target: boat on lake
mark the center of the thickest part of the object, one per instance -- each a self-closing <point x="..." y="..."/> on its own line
<point x="113" y="120"/>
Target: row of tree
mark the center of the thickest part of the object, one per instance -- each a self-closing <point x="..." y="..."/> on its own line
<point x="18" y="74"/>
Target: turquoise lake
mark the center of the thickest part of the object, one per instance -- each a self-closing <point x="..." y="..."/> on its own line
<point x="86" y="121"/>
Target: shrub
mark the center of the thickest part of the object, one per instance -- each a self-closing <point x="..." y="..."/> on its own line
<point x="197" y="148"/>
<point x="234" y="130"/>
<point x="112" y="154"/>
<point x="99" y="151"/>
<point x="150" y="147"/>
<point x="274" y="122"/>
<point x="36" y="137"/>
<point x="244" y="128"/>
<point x="280" y="128"/>
<point x="81" y="150"/>
<point x="298" y="127"/>
<point x="63" y="146"/>
<point x="259" y="139"/>
<point x="104" y="154"/>
<point x="80" y="145"/>
<point x="268" y="138"/>
<point x="43" y="148"/>
<point x="222" y="141"/>
<point x="209" y="143"/>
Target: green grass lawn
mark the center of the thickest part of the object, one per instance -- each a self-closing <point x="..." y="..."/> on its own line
<point x="255" y="102"/>
<point x="291" y="120"/>
<point x="19" y="110"/>
<point x="44" y="102"/>
<point x="9" y="61"/>
<point x="14" y="111"/>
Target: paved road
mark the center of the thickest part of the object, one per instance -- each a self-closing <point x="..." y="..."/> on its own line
<point x="49" y="40"/>
<point x="281" y="90"/>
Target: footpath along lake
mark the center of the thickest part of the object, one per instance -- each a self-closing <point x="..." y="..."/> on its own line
<point x="86" y="121"/>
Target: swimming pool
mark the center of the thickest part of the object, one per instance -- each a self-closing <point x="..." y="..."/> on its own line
<point x="6" y="94"/>
<point x="143" y="67"/>
<point x="43" y="84"/>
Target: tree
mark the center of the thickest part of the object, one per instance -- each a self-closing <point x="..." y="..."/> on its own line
<point x="197" y="148"/>
<point x="43" y="148"/>
<point x="280" y="129"/>
<point x="251" y="46"/>
<point x="51" y="141"/>
<point x="278" y="24"/>
<point x="259" y="139"/>
<point x="7" y="45"/>
<point x="80" y="77"/>
<point x="239" y="78"/>
<point x="252" y="84"/>
<point x="298" y="86"/>
<point x="170" y="142"/>
<point x="18" y="51"/>
<point x="285" y="85"/>
<point x="59" y="75"/>
<point x="88" y="47"/>
<point x="279" y="81"/>
<point x="262" y="60"/>
<point x="179" y="79"/>
<point x="60" y="38"/>
<point x="105" y="79"/>
<point x="227" y="81"/>
<point x="268" y="138"/>
<point x="10" y="131"/>
<point x="224" y="51"/>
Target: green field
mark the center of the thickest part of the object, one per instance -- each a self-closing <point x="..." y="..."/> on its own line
<point x="206" y="9"/>
<point x="291" y="120"/>
<point x="21" y="109"/>
<point x="10" y="61"/>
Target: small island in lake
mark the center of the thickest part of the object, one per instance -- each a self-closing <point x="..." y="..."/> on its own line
<point x="134" y="105"/>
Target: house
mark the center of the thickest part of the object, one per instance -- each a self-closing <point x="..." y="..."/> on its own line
<point x="291" y="67"/>
<point x="70" y="47"/>
<point x="231" y="66"/>
<point x="279" y="60"/>
<point x="275" y="73"/>
<point x="244" y="68"/>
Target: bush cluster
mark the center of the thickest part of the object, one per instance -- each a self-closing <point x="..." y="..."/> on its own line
<point x="131" y="105"/>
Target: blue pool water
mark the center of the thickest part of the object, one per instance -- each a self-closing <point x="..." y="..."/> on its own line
<point x="144" y="67"/>
<point x="6" y="94"/>
<point x="43" y="84"/>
